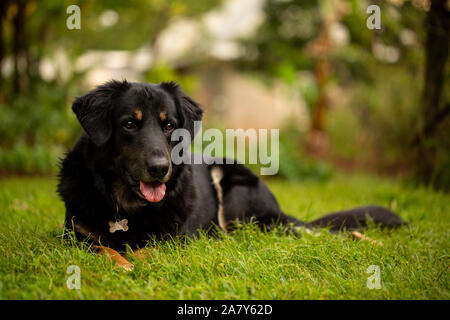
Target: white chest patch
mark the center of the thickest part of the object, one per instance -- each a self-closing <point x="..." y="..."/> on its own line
<point x="118" y="225"/>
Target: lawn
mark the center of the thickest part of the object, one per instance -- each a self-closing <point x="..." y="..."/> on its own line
<point x="246" y="264"/>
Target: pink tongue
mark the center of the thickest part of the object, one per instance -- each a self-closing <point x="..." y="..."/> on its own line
<point x="153" y="194"/>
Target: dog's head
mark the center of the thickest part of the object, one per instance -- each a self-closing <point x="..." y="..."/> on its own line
<point x="132" y="124"/>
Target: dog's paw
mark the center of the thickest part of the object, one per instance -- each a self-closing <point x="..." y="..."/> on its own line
<point x="115" y="256"/>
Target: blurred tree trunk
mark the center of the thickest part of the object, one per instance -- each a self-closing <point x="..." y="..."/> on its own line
<point x="322" y="71"/>
<point x="19" y="46"/>
<point x="158" y="25"/>
<point x="3" y="8"/>
<point x="331" y="11"/>
<point x="433" y="113"/>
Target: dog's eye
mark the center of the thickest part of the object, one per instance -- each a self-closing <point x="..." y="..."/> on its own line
<point x="169" y="126"/>
<point x="129" y="124"/>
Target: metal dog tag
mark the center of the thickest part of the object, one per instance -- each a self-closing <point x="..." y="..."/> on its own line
<point x="118" y="225"/>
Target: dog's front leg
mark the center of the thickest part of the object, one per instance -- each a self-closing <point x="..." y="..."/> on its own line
<point x="142" y="253"/>
<point x="98" y="237"/>
<point x="115" y="256"/>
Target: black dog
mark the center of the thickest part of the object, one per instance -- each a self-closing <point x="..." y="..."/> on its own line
<point x="120" y="185"/>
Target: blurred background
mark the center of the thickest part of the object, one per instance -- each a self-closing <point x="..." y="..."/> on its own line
<point x="345" y="98"/>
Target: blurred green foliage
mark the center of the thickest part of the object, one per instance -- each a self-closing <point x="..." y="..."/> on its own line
<point x="379" y="74"/>
<point x="162" y="72"/>
<point x="35" y="129"/>
<point x="372" y="119"/>
<point x="294" y="161"/>
<point x="36" y="121"/>
<point x="42" y="119"/>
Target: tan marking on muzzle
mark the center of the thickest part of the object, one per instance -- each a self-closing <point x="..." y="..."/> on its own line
<point x="217" y="175"/>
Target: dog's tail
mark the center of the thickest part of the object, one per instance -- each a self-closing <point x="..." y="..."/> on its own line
<point x="354" y="219"/>
<point x="358" y="218"/>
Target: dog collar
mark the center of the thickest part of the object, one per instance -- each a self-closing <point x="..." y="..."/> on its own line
<point x="118" y="224"/>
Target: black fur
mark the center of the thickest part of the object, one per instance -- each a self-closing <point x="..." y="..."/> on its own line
<point x="99" y="177"/>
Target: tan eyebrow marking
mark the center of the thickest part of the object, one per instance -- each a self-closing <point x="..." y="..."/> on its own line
<point x="163" y="116"/>
<point x="138" y="115"/>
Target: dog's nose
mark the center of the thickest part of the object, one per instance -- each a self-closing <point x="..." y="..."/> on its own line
<point x="158" y="167"/>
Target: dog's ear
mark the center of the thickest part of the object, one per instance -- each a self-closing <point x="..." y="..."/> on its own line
<point x="93" y="110"/>
<point x="189" y="108"/>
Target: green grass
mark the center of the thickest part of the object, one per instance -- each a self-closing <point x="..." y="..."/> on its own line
<point x="247" y="264"/>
